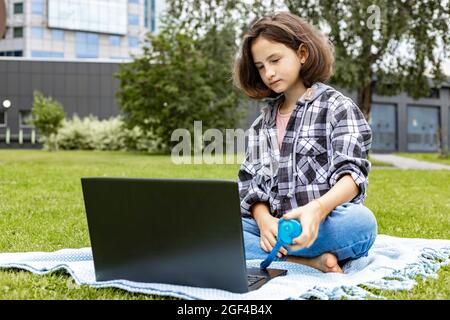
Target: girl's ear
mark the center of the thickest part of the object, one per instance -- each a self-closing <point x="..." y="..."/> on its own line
<point x="303" y="53"/>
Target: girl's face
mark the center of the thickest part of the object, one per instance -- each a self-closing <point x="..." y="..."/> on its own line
<point x="278" y="65"/>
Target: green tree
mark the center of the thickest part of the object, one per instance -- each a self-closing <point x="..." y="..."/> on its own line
<point x="383" y="46"/>
<point x="218" y="46"/>
<point x="175" y="83"/>
<point x="380" y="45"/>
<point x="201" y="16"/>
<point x="47" y="116"/>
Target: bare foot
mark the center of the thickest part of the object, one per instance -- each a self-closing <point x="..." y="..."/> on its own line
<point x="326" y="262"/>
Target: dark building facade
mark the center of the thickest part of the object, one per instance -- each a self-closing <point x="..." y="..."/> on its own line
<point x="399" y="123"/>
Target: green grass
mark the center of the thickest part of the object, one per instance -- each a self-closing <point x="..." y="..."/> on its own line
<point x="41" y="209"/>
<point x="432" y="157"/>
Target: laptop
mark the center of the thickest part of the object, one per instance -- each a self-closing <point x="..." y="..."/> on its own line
<point x="175" y="231"/>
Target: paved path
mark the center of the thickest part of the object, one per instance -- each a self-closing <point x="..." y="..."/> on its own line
<point x="407" y="163"/>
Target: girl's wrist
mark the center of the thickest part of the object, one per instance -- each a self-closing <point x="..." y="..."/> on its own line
<point x="320" y="208"/>
<point x="260" y="211"/>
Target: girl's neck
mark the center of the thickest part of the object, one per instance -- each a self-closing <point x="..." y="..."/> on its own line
<point x="291" y="97"/>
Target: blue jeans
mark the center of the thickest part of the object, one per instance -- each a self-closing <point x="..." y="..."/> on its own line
<point x="348" y="232"/>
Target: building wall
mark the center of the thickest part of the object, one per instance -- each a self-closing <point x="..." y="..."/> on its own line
<point x="41" y="41"/>
<point x="82" y="87"/>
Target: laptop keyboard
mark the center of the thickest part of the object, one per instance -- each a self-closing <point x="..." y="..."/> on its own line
<point x="252" y="279"/>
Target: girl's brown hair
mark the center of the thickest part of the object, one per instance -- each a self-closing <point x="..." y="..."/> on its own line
<point x="292" y="31"/>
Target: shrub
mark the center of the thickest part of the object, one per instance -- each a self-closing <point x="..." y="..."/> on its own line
<point x="47" y="116"/>
<point x="90" y="133"/>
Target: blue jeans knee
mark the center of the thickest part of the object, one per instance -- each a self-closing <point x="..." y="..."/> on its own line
<point x="348" y="232"/>
<point x="362" y="230"/>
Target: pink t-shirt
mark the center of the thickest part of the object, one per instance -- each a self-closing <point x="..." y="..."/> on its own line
<point x="281" y="123"/>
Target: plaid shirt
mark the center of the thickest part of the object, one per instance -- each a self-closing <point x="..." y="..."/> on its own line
<point x="326" y="137"/>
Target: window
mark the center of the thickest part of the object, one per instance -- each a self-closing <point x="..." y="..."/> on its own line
<point x="37" y="32"/>
<point x="86" y="45"/>
<point x="133" y="42"/>
<point x="37" y="7"/>
<point x="3" y="120"/>
<point x="114" y="40"/>
<point x="133" y="19"/>
<point x="96" y="16"/>
<point x="46" y="54"/>
<point x="18" y="53"/>
<point x="25" y="118"/>
<point x="133" y="1"/>
<point x="448" y="129"/>
<point x="18" y="8"/>
<point x="152" y="18"/>
<point x="423" y="128"/>
<point x="149" y="14"/>
<point x="18" y="32"/>
<point x="383" y="121"/>
<point x="146" y="13"/>
<point x="58" y="35"/>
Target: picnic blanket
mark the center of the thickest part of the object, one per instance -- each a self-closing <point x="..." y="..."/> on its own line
<point x="392" y="264"/>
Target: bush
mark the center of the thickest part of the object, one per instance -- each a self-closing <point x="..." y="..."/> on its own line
<point x="47" y="116"/>
<point x="90" y="133"/>
<point x="177" y="81"/>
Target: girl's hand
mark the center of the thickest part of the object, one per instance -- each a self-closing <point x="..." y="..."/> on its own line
<point x="310" y="217"/>
<point x="268" y="227"/>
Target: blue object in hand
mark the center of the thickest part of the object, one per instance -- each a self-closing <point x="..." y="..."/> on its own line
<point x="287" y="231"/>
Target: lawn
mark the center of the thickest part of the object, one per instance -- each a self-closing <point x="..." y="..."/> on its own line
<point x="41" y="209"/>
<point x="432" y="157"/>
<point x="377" y="163"/>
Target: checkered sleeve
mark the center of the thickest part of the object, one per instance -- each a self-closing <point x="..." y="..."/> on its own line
<point x="250" y="190"/>
<point x="351" y="138"/>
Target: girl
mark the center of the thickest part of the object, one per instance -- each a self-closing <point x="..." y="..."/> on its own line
<point x="306" y="157"/>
